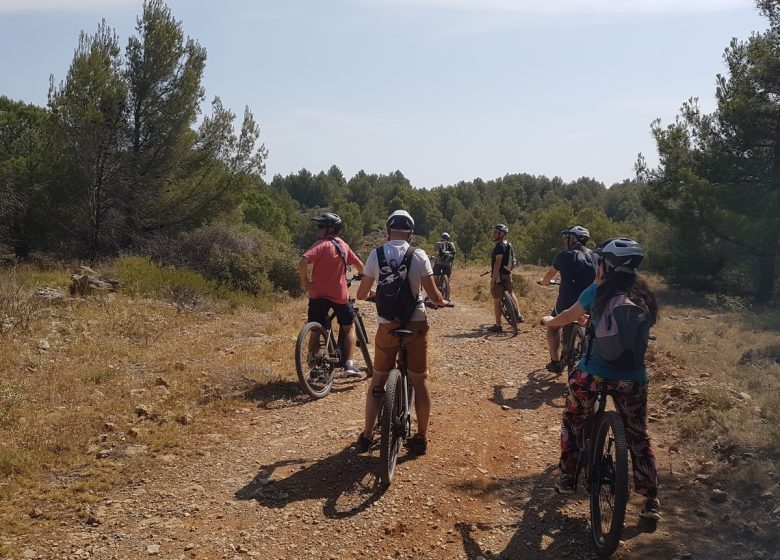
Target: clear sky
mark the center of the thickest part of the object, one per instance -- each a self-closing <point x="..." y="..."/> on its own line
<point x="442" y="90"/>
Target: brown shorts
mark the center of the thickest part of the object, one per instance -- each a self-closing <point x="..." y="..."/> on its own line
<point x="387" y="346"/>
<point x="498" y="288"/>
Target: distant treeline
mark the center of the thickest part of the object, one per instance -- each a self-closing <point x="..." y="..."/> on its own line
<point x="115" y="165"/>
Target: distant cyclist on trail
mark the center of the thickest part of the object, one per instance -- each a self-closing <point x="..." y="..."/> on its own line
<point x="419" y="273"/>
<point x="444" y="253"/>
<point x="329" y="257"/>
<point x="616" y="274"/>
<point x="577" y="266"/>
<point x="502" y="261"/>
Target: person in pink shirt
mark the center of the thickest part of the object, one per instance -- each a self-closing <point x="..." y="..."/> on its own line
<point x="329" y="257"/>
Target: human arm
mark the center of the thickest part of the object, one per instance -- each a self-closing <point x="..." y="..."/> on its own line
<point x="497" y="263"/>
<point x="364" y="289"/>
<point x="549" y="275"/>
<point x="303" y="273"/>
<point x="571" y="315"/>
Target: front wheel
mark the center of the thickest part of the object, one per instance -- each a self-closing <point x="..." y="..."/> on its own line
<point x="392" y="426"/>
<point x="314" y="367"/>
<point x="608" y="483"/>
<point x="509" y="310"/>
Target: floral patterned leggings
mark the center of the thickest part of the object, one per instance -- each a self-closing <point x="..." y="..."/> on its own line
<point x="631" y="403"/>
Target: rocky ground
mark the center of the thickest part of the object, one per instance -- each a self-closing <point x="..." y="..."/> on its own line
<point x="278" y="477"/>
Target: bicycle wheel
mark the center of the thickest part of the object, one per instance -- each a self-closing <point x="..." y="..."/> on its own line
<point x="392" y="426"/>
<point x="315" y="370"/>
<point x="444" y="286"/>
<point x="578" y="347"/>
<point x="362" y="343"/>
<point x="608" y="483"/>
<point x="509" y="310"/>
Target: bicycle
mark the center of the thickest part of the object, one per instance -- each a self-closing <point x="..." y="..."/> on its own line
<point x="603" y="459"/>
<point x="574" y="343"/>
<point x="316" y="372"/>
<point x="396" y="409"/>
<point x="509" y="309"/>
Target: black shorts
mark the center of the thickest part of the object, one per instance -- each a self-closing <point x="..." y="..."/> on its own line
<point x="318" y="311"/>
<point x="442" y="269"/>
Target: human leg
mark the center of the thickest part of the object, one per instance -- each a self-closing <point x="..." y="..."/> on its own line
<point x="632" y="406"/>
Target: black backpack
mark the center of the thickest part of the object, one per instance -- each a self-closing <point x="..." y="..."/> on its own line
<point x="394" y="298"/>
<point x="622" y="334"/>
<point x="584" y="269"/>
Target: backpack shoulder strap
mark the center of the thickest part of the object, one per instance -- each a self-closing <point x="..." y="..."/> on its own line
<point x="380" y="257"/>
<point x="340" y="251"/>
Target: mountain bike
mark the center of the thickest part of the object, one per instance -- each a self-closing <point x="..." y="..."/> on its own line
<point x="603" y="459"/>
<point x="574" y="342"/>
<point x="316" y="371"/>
<point x="509" y="309"/>
<point x="443" y="285"/>
<point x="396" y="409"/>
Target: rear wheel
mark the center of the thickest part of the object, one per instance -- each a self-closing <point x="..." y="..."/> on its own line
<point x="314" y="369"/>
<point x="608" y="483"/>
<point x="362" y="342"/>
<point x="509" y="310"/>
<point x="444" y="286"/>
<point x="392" y="426"/>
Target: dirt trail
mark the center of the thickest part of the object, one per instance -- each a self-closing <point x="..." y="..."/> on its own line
<point x="287" y="483"/>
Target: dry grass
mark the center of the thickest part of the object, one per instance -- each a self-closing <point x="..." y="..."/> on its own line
<point x="72" y="379"/>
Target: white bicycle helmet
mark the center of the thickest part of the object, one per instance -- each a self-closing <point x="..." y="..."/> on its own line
<point x="400" y="220"/>
<point x="621" y="254"/>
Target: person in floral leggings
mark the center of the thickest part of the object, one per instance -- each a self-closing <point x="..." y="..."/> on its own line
<point x="616" y="273"/>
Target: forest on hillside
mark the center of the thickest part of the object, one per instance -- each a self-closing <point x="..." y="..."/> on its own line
<point x="114" y="165"/>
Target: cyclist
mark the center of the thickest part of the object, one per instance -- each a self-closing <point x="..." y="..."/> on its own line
<point x="400" y="226"/>
<point x="329" y="257"/>
<point x="502" y="261"/>
<point x="445" y="256"/>
<point x="618" y="259"/>
<point x="577" y="266"/>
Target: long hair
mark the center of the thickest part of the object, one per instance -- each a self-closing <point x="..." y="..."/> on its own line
<point x="634" y="286"/>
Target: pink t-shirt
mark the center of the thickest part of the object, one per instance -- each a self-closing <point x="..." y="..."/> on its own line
<point x="328" y="278"/>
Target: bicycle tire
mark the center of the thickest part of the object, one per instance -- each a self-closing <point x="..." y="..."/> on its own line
<point x="362" y="342"/>
<point x="316" y="379"/>
<point x="579" y="345"/>
<point x="444" y="286"/>
<point x="510" y="311"/>
<point x="392" y="426"/>
<point x="608" y="484"/>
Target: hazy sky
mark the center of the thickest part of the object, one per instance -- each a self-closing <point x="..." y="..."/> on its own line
<point x="442" y="90"/>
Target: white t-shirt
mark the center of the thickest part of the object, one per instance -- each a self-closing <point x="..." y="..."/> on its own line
<point x="419" y="267"/>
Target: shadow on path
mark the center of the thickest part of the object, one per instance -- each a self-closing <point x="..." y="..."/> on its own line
<point x="541" y="388"/>
<point x="347" y="481"/>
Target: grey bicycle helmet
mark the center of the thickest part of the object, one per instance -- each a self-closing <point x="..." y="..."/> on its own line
<point x="621" y="254"/>
<point x="445" y="236"/>
<point x="328" y="220"/>
<point x="400" y="220"/>
<point x="501" y="227"/>
<point x="579" y="232"/>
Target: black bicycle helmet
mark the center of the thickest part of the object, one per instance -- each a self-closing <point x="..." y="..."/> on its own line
<point x="621" y="254"/>
<point x="579" y="232"/>
<point x="328" y="220"/>
<point x="445" y="236"/>
<point x="400" y="220"/>
<point x="501" y="227"/>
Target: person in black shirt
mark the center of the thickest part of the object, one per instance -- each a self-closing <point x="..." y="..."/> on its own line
<point x="444" y="253"/>
<point x="502" y="261"/>
<point x="577" y="266"/>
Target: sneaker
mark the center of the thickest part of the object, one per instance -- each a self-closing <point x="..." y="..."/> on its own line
<point x="554" y="366"/>
<point x="417" y="445"/>
<point x="351" y="370"/>
<point x="520" y="318"/>
<point x="651" y="509"/>
<point x="565" y="484"/>
<point x="495" y="328"/>
<point x="363" y="443"/>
